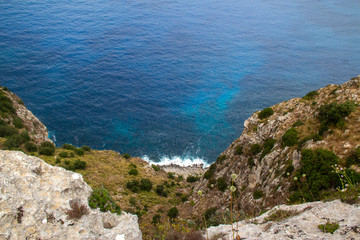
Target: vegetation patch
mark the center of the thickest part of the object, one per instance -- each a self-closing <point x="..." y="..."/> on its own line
<point x="290" y="137"/>
<point x="255" y="149"/>
<point x="311" y="95"/>
<point x="221" y="184"/>
<point x="210" y="172"/>
<point x="267" y="147"/>
<point x="267" y="112"/>
<point x="329" y="227"/>
<point x="47" y="148"/>
<point x="191" y="179"/>
<point x="239" y="150"/>
<point x="258" y="194"/>
<point x="280" y="215"/>
<point x="100" y="198"/>
<point x="333" y="114"/>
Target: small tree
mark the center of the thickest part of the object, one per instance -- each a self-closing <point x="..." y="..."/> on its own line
<point x="173" y="213"/>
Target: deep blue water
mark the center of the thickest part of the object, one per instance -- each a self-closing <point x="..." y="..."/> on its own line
<point x="170" y="78"/>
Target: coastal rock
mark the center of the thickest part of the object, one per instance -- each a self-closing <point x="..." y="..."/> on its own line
<point x="39" y="201"/>
<point x="33" y="125"/>
<point x="270" y="173"/>
<point x="302" y="225"/>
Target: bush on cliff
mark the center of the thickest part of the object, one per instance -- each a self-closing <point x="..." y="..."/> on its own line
<point x="100" y="198"/>
<point x="334" y="114"/>
<point x="18" y="123"/>
<point x="16" y="140"/>
<point x="31" y="147"/>
<point x="290" y="137"/>
<point x="6" y="131"/>
<point x="47" y="149"/>
<point x="267" y="112"/>
<point x="315" y="175"/>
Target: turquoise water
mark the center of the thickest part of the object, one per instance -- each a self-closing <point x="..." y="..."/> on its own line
<point x="170" y="79"/>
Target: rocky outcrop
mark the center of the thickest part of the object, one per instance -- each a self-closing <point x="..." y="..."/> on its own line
<point x="37" y="130"/>
<point x="303" y="224"/>
<point x="266" y="174"/>
<point x="39" y="201"/>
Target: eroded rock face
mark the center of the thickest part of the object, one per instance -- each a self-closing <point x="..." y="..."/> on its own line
<point x="37" y="201"/>
<point x="303" y="225"/>
<point x="268" y="173"/>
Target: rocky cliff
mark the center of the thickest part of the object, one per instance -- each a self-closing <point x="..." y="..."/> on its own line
<point x="17" y="110"/>
<point x="264" y="165"/>
<point x="39" y="201"/>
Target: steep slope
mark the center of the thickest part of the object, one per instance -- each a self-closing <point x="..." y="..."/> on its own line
<point x="39" y="201"/>
<point x="14" y="113"/>
<point x="265" y="159"/>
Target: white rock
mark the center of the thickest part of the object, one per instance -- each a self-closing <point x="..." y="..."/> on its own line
<point x="34" y="204"/>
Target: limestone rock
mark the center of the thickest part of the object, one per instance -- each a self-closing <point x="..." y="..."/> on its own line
<point x="36" y="202"/>
<point x="300" y="226"/>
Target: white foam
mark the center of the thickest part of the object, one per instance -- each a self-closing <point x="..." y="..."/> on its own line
<point x="176" y="160"/>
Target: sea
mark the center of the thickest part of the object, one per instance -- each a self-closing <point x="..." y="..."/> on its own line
<point x="167" y="80"/>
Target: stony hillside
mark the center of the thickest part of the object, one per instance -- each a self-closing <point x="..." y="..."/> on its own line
<point x="303" y="222"/>
<point x="39" y="201"/>
<point x="269" y="152"/>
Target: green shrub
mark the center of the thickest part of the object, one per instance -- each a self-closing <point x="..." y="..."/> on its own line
<point x="100" y="198"/>
<point x="6" y="131"/>
<point x="68" y="147"/>
<point x="133" y="172"/>
<point x="221" y="159"/>
<point x="6" y="104"/>
<point x="334" y="114"/>
<point x="160" y="190"/>
<point x="317" y="166"/>
<point x="191" y="179"/>
<point x="329" y="227"/>
<point x="78" y="164"/>
<point x="210" y="172"/>
<point x="79" y="152"/>
<point x="146" y="184"/>
<point x="16" y="140"/>
<point x="18" y="123"/>
<point x="267" y="112"/>
<point x="255" y="149"/>
<point x="63" y="155"/>
<point x="132" y="201"/>
<point x="126" y="156"/>
<point x="221" y="184"/>
<point x="31" y="147"/>
<point x="268" y="145"/>
<point x="86" y="148"/>
<point x="311" y="95"/>
<point x="290" y="137"/>
<point x="155" y="167"/>
<point x="239" y="150"/>
<point x="251" y="162"/>
<point x="289" y="169"/>
<point x="133" y="186"/>
<point x="171" y="175"/>
<point x="173" y="213"/>
<point x="156" y="219"/>
<point x="47" y="148"/>
<point x="298" y="123"/>
<point x="354" y="158"/>
<point x="258" y="194"/>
